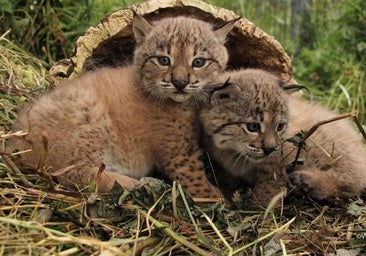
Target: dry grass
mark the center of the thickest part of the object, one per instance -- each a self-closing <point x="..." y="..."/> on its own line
<point x="21" y="77"/>
<point x="159" y="220"/>
<point x="154" y="219"/>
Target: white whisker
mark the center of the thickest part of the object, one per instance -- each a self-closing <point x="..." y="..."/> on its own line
<point x="240" y="156"/>
<point x="201" y="96"/>
<point x="154" y="93"/>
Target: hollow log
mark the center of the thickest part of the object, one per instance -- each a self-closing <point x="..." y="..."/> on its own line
<point x="111" y="42"/>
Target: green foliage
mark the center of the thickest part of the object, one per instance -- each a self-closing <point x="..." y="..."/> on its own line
<point x="49" y="28"/>
<point x="356" y="208"/>
<point x="341" y="39"/>
<point x="21" y="75"/>
<point x="334" y="63"/>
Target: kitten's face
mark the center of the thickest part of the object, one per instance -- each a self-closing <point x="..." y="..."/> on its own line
<point x="177" y="57"/>
<point x="248" y="117"/>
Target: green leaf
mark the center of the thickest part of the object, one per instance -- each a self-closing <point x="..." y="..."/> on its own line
<point x="6" y="6"/>
<point x="355" y="209"/>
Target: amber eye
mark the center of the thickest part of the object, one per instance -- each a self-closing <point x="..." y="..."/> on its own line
<point x="253" y="127"/>
<point x="281" y="127"/>
<point x="163" y="60"/>
<point x="198" y="62"/>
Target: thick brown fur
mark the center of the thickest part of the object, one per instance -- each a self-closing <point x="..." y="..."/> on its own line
<point x="256" y="96"/>
<point x="125" y="119"/>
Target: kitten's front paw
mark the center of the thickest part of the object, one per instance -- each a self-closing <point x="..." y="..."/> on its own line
<point x="315" y="183"/>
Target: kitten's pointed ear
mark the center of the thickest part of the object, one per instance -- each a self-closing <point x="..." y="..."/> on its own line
<point x="223" y="30"/>
<point x="291" y="88"/>
<point x="141" y="27"/>
<point x="227" y="92"/>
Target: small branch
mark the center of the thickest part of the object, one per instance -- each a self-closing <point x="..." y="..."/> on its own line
<point x="8" y="89"/>
<point x="317" y="125"/>
<point x="359" y="126"/>
<point x="310" y="132"/>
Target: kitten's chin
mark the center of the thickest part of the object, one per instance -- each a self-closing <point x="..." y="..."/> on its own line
<point x="179" y="97"/>
<point x="256" y="159"/>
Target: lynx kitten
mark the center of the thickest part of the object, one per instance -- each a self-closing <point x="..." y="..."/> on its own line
<point x="129" y="118"/>
<point x="244" y="129"/>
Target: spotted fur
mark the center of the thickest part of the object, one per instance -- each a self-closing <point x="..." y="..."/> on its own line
<point x="177" y="57"/>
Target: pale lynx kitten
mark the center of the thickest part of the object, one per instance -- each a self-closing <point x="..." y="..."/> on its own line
<point x="128" y="118"/>
<point x="244" y="129"/>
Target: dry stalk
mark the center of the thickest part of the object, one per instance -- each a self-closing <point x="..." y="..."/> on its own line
<point x="359" y="126"/>
<point x="41" y="170"/>
<point x="99" y="174"/>
<point x="63" y="237"/>
<point x="16" y="171"/>
<point x="168" y="231"/>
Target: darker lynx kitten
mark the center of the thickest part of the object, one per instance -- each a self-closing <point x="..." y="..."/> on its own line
<point x="247" y="121"/>
<point x="110" y="117"/>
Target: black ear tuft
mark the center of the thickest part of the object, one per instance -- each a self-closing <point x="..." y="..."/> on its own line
<point x="215" y="87"/>
<point x="224" y="29"/>
<point x="231" y="22"/>
<point x="291" y="88"/>
<point x="226" y="84"/>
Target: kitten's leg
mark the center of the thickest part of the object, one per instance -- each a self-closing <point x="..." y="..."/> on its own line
<point x="318" y="184"/>
<point x="189" y="171"/>
<point x="80" y="178"/>
<point x="180" y="157"/>
<point x="107" y="180"/>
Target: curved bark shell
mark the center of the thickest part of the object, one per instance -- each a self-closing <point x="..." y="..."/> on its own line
<point x="111" y="42"/>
